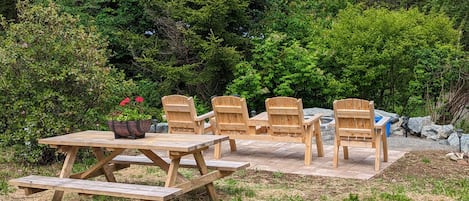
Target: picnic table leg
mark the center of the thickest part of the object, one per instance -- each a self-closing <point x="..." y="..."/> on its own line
<point x="66" y="169"/>
<point x="98" y="152"/>
<point x="172" y="172"/>
<point x="161" y="163"/>
<point x="99" y="166"/>
<point x="204" y="170"/>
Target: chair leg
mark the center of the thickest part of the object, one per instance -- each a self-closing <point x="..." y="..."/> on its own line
<point x="217" y="151"/>
<point x="308" y="146"/>
<point x="317" y="133"/>
<point x="385" y="147"/>
<point x="335" y="159"/>
<point x="200" y="128"/>
<point x="345" y="152"/>
<point x="232" y="145"/>
<point x="378" y="152"/>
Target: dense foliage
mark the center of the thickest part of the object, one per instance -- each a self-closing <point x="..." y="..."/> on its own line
<point x="54" y="79"/>
<point x="409" y="56"/>
<point x="388" y="56"/>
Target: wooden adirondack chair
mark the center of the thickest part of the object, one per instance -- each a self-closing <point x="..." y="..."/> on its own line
<point x="182" y="117"/>
<point x="355" y="127"/>
<point x="286" y="118"/>
<point x="231" y="119"/>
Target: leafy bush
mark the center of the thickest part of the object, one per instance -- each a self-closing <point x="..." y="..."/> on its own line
<point x="396" y="58"/>
<point x="54" y="79"/>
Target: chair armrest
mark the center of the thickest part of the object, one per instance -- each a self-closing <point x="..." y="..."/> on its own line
<point x="382" y="122"/>
<point x="205" y="116"/>
<point x="310" y="121"/>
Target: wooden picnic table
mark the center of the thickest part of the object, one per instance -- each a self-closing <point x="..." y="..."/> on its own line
<point x="106" y="148"/>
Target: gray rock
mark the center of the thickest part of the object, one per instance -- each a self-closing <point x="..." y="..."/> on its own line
<point x="316" y="110"/>
<point x="453" y="139"/>
<point x="161" y="128"/>
<point x="430" y="131"/>
<point x="465" y="143"/>
<point x="397" y="131"/>
<point x="446" y="131"/>
<point x="437" y="131"/>
<point x="417" y="123"/>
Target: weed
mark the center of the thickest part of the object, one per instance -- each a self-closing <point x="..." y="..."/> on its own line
<point x="231" y="187"/>
<point x="5" y="188"/>
<point x="426" y="160"/>
<point x="277" y="175"/>
<point x="394" y="196"/>
<point x="352" y="197"/>
<point x="84" y="164"/>
<point x="152" y="170"/>
<point x="187" y="173"/>
<point x="287" y="198"/>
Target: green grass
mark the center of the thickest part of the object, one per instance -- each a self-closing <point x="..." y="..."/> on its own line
<point x="426" y="160"/>
<point x="273" y="186"/>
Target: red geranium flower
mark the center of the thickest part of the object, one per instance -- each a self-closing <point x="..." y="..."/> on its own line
<point x="130" y="109"/>
<point x="125" y="101"/>
<point x="139" y="99"/>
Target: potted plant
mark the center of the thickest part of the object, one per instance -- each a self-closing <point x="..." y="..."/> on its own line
<point x="129" y="120"/>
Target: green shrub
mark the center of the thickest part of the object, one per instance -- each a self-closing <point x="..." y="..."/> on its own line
<point x="54" y="80"/>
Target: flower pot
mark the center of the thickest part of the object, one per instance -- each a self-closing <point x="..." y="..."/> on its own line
<point x="129" y="129"/>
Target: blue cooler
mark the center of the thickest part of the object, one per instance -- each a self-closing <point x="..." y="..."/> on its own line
<point x="388" y="125"/>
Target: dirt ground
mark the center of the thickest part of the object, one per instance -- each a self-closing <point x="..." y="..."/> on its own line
<point x="419" y="175"/>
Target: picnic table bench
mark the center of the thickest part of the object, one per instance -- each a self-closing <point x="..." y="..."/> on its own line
<point x="33" y="184"/>
<point x="108" y="153"/>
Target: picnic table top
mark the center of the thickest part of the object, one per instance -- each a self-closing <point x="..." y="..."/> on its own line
<point x="151" y="141"/>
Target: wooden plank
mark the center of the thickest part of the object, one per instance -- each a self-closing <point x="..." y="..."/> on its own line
<point x="152" y="141"/>
<point x="177" y="108"/>
<point x="228" y="109"/>
<point x="351" y="113"/>
<point x="135" y="191"/>
<point x="284" y="111"/>
<point x="201" y="165"/>
<point x="356" y="132"/>
<point x="232" y="126"/>
<point x="66" y="170"/>
<point x="188" y="163"/>
<point x="267" y="137"/>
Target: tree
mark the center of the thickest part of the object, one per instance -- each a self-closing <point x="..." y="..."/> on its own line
<point x="194" y="45"/>
<point x="54" y="79"/>
<point x="389" y="56"/>
<point x="7" y="9"/>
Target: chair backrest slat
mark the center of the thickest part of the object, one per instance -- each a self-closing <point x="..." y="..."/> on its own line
<point x="285" y="116"/>
<point x="354" y="117"/>
<point x="231" y="115"/>
<point x="180" y="114"/>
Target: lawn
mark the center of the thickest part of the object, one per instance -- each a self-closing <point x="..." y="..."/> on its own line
<point x="419" y="175"/>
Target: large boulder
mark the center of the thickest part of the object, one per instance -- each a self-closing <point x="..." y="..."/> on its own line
<point x="465" y="143"/>
<point x="417" y="123"/>
<point x="435" y="132"/>
<point x="453" y="139"/>
<point x="316" y="110"/>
